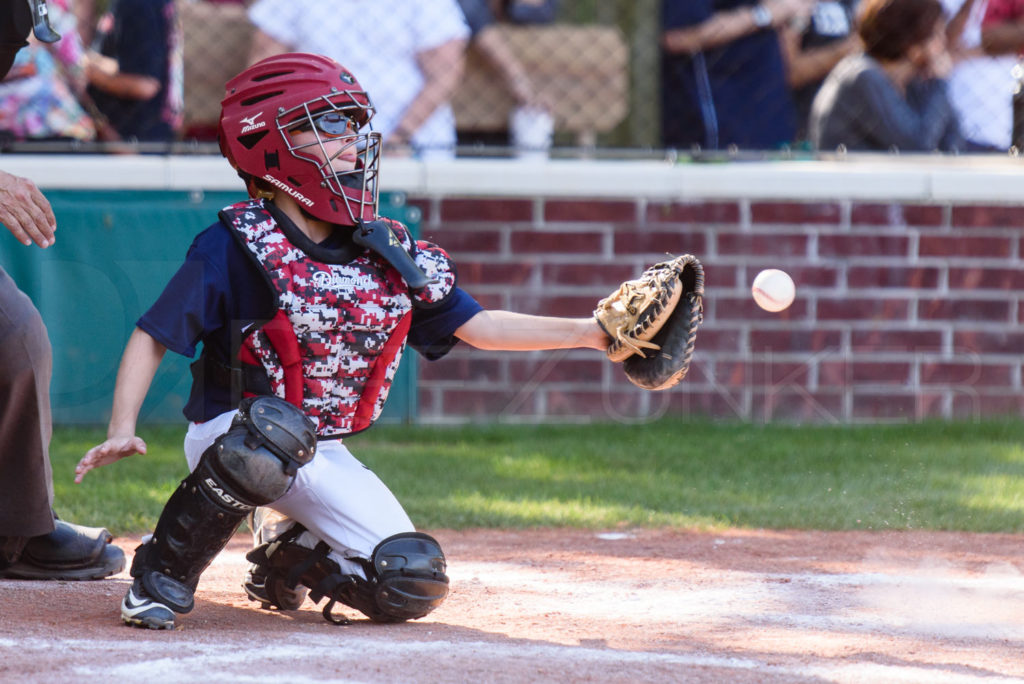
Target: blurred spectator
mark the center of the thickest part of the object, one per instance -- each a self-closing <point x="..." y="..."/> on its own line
<point x="1002" y="30"/>
<point x="39" y="97"/>
<point x="408" y="53"/>
<point x="1002" y="33"/>
<point x="530" y="122"/>
<point x="981" y="86"/>
<point x="529" y="11"/>
<point x="136" y="70"/>
<point x="812" y="46"/>
<point x="724" y="79"/>
<point x="218" y="39"/>
<point x="85" y="11"/>
<point x="489" y="41"/>
<point x="893" y="96"/>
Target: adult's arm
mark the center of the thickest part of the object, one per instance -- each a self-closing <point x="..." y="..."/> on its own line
<point x="1003" y="39"/>
<point x="1002" y="29"/>
<point x="493" y="46"/>
<point x="138" y="66"/>
<point x="956" y="23"/>
<point x="727" y="26"/>
<point x="105" y="74"/>
<point x="442" y="68"/>
<point x="814" y="64"/>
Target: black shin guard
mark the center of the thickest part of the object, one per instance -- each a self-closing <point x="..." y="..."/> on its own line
<point x="193" y="528"/>
<point x="251" y="465"/>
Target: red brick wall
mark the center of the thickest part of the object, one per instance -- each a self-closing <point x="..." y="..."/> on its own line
<point x="903" y="311"/>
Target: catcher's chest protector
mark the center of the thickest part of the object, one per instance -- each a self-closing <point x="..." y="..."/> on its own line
<point x="348" y="324"/>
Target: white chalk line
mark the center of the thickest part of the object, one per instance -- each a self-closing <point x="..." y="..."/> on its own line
<point x="986" y="606"/>
<point x="189" y="662"/>
<point x="923" y="606"/>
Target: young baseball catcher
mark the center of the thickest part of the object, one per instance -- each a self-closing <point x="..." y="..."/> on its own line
<point x="304" y="300"/>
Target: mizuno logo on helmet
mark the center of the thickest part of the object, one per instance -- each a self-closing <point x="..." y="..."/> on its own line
<point x="291" y="191"/>
<point x="251" y="124"/>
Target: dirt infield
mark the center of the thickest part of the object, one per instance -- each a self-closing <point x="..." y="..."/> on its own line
<point x="576" y="606"/>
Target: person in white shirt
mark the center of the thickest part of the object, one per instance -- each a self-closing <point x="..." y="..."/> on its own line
<point x="980" y="86"/>
<point x="408" y="53"/>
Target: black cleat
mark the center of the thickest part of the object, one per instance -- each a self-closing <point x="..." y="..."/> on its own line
<point x="272" y="592"/>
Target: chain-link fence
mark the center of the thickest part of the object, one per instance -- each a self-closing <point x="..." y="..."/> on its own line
<point x="535" y="77"/>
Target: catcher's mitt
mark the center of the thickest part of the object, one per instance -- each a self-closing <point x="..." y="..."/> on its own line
<point x="653" y="322"/>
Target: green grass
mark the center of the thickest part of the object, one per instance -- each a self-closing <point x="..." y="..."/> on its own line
<point x="949" y="476"/>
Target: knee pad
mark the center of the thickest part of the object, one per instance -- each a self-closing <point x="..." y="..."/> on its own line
<point x="405" y="575"/>
<point x="255" y="461"/>
<point x="410" y="576"/>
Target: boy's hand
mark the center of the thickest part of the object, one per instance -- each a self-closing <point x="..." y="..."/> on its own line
<point x="114" y="449"/>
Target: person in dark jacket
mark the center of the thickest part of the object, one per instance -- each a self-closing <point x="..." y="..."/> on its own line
<point x="724" y="75"/>
<point x="893" y="95"/>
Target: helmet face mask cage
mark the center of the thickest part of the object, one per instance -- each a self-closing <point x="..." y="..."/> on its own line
<point x="341" y="128"/>
<point x="264" y="112"/>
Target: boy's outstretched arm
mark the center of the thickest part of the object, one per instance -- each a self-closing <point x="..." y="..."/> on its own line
<point x="141" y="358"/>
<point x="649" y="324"/>
<point x="509" y="331"/>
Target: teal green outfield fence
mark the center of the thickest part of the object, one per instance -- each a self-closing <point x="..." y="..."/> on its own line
<point x="115" y="251"/>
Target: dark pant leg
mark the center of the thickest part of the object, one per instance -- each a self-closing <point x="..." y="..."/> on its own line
<point x="26" y="483"/>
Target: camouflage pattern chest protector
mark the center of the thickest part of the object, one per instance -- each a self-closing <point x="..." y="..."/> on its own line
<point x="335" y="344"/>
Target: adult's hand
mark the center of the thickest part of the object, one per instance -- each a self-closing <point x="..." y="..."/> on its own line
<point x="112" y="450"/>
<point x="25" y="212"/>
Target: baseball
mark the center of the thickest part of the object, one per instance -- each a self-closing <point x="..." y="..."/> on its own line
<point x="773" y="290"/>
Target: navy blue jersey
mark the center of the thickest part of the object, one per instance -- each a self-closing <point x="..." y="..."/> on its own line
<point x="219" y="294"/>
<point x="732" y="94"/>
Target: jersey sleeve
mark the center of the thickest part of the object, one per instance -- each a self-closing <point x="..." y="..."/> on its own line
<point x="191" y="304"/>
<point x="433" y="330"/>
<point x="215" y="291"/>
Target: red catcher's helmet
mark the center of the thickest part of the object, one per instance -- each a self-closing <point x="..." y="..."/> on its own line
<point x="294" y="91"/>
